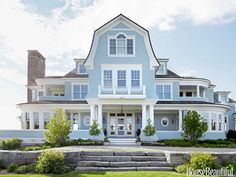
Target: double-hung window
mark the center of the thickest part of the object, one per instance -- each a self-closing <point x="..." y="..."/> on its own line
<point x="121" y="78"/>
<point x="163" y="91"/>
<point x="135" y="78"/>
<point x="80" y="91"/>
<point x="121" y="45"/>
<point x="107" y="78"/>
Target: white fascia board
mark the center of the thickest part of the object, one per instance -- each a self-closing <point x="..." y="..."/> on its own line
<point x="51" y="81"/>
<point x="111" y="96"/>
<point x="203" y="107"/>
<point x="51" y="107"/>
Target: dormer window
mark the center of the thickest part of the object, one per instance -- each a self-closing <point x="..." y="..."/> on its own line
<point x="121" y="45"/>
<point x="82" y="69"/>
<point x="161" y="69"/>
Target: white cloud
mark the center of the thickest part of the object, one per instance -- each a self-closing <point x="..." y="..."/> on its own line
<point x="185" y="71"/>
<point x="68" y="31"/>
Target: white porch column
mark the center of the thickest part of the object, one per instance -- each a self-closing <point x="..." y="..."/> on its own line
<point x="41" y="121"/>
<point x="151" y="113"/>
<point x="222" y="123"/>
<point x="31" y="120"/>
<point x="99" y="116"/>
<point x="144" y="116"/>
<point x="180" y="119"/>
<point x="198" y="91"/>
<point x="92" y="111"/>
<point x="209" y="122"/>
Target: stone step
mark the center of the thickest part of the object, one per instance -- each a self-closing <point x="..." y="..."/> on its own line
<point x="159" y="154"/>
<point x="122" y="158"/>
<point x="123" y="168"/>
<point x="122" y="164"/>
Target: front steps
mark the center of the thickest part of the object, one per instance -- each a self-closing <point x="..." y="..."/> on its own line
<point x="122" y="141"/>
<point x="122" y="161"/>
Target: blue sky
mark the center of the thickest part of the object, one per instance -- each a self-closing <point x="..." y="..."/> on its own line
<point x="197" y="35"/>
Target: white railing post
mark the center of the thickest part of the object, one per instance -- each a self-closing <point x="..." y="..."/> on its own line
<point x="114" y="90"/>
<point x="129" y="90"/>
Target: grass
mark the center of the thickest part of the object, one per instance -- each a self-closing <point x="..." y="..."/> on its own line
<point x="107" y="174"/>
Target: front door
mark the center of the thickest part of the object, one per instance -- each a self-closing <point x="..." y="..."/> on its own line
<point x="121" y="125"/>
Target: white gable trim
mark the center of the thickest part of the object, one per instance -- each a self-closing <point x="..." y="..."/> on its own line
<point x="108" y="26"/>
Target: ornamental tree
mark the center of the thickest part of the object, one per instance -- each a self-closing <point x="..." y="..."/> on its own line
<point x="149" y="130"/>
<point x="94" y="130"/>
<point x="193" y="126"/>
<point x="58" y="129"/>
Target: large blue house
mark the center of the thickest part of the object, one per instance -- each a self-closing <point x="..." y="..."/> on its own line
<point x="121" y="84"/>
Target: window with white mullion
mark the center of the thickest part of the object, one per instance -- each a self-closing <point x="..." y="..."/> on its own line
<point x="80" y="91"/>
<point x="121" y="44"/>
<point x="135" y="78"/>
<point x="159" y="92"/>
<point x="84" y="91"/>
<point x="163" y="91"/>
<point x="82" y="69"/>
<point x="121" y="78"/>
<point x="112" y="46"/>
<point x="107" y="78"/>
<point x="130" y="47"/>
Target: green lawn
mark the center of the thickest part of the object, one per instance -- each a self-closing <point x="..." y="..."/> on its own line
<point x="108" y="174"/>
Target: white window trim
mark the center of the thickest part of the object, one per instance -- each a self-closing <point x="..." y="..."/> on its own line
<point x="115" y="68"/>
<point x="164" y="69"/>
<point x="171" y="91"/>
<point x="120" y="55"/>
<point x="72" y="90"/>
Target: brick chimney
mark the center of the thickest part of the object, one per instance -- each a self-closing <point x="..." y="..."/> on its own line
<point x="36" y="69"/>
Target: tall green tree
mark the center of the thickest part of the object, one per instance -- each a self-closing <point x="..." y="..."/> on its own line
<point x="149" y="130"/>
<point x="94" y="130"/>
<point x="59" y="128"/>
<point x="193" y="126"/>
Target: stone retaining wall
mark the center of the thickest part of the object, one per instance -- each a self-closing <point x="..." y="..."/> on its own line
<point x="178" y="158"/>
<point x="21" y="157"/>
<point x="72" y="157"/>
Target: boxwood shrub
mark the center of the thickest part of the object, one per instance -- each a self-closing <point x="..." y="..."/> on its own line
<point x="51" y="162"/>
<point x="10" y="144"/>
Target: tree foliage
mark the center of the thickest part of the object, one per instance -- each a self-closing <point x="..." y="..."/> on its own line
<point x="149" y="130"/>
<point x="94" y="130"/>
<point x="58" y="129"/>
<point x="193" y="126"/>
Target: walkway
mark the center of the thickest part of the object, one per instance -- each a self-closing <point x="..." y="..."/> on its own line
<point x="146" y="148"/>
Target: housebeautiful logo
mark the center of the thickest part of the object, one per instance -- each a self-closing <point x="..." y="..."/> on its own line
<point x="210" y="172"/>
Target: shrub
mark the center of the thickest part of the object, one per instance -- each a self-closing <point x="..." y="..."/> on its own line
<point x="193" y="126"/>
<point x="202" y="161"/>
<point x="231" y="134"/>
<point x="12" y="167"/>
<point x="51" y="162"/>
<point x="58" y="129"/>
<point x="2" y="166"/>
<point x="10" y="144"/>
<point x="198" y="161"/>
<point x="182" y="168"/>
<point x="35" y="148"/>
<point x="94" y="130"/>
<point x="26" y="169"/>
<point x="149" y="130"/>
<point x="230" y="166"/>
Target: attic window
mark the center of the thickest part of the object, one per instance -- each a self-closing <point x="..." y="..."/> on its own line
<point x="121" y="45"/>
